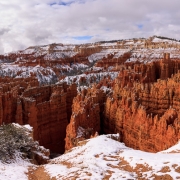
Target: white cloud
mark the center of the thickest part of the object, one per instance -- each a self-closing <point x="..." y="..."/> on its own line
<point x="27" y="23"/>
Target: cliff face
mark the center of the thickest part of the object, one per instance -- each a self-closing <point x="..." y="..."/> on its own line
<point x="139" y="129"/>
<point x="138" y="105"/>
<point x="45" y="108"/>
<point x="112" y="60"/>
<point x="52" y="63"/>
<point x="146" y="114"/>
<point x="86" y="116"/>
<point x="143" y="107"/>
<point x="10" y="103"/>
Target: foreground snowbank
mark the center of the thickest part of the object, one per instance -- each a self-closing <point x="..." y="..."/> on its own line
<point x="103" y="156"/>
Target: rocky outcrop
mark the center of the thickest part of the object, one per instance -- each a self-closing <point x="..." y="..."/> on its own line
<point x="71" y="93"/>
<point x="146" y="92"/>
<point x="145" y="114"/>
<point x="143" y="107"/>
<point x="88" y="50"/>
<point x="10" y="104"/>
<point x="86" y="116"/>
<point x="110" y="60"/>
<point x="139" y="129"/>
<point x="50" y="63"/>
<point x="45" y="108"/>
<point x="139" y="72"/>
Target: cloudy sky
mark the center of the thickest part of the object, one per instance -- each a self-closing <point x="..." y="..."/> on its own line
<point x="26" y="23"/>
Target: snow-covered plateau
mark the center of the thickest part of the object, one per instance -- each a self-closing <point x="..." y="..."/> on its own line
<point x="50" y="63"/>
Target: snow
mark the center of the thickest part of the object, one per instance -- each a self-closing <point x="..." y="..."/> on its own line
<point x="93" y="77"/>
<point x="84" y="159"/>
<point x="108" y="44"/>
<point x="174" y="149"/>
<point x="60" y="51"/>
<point x="80" y="132"/>
<point x="105" y="89"/>
<point x="60" y="55"/>
<point x="14" y="171"/>
<point x="64" y="47"/>
<point x="47" y="75"/>
<point x="104" y="53"/>
<point x="27" y="126"/>
<point x="44" y="75"/>
<point x="158" y="40"/>
<point x="79" y="66"/>
<point x="150" y="55"/>
<point x="29" y="51"/>
<point x="154" y="160"/>
<point x="120" y="53"/>
<point x="101" y="156"/>
<point x="45" y="48"/>
<point x="129" y="42"/>
<point x="17" y="168"/>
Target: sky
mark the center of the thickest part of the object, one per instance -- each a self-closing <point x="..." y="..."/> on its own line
<point x="25" y="23"/>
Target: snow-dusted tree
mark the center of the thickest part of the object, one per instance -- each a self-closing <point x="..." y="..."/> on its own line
<point x="15" y="141"/>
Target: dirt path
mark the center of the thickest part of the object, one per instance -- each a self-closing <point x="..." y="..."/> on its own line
<point x="38" y="174"/>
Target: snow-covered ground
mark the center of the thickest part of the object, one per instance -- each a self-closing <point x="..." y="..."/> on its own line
<point x="159" y="40"/>
<point x="150" y="55"/>
<point x="44" y="75"/>
<point x="89" y="78"/>
<point x="104" y="53"/>
<point x="99" y="158"/>
<point x="14" y="171"/>
<point x="102" y="157"/>
<point x="59" y="55"/>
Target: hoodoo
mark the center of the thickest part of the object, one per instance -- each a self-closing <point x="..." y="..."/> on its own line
<point x="72" y="92"/>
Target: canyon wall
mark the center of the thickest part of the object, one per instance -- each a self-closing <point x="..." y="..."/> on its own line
<point x="142" y="103"/>
<point x="145" y="111"/>
<point x="143" y="107"/>
<point x="111" y="61"/>
<point x="86" y="116"/>
<point x="45" y="108"/>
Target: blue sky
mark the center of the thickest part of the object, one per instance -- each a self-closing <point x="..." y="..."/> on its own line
<point x="36" y="22"/>
<point x="62" y="3"/>
<point x="82" y="38"/>
<point x="140" y="26"/>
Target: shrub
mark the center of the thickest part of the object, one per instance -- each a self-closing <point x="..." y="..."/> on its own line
<point x="15" y="140"/>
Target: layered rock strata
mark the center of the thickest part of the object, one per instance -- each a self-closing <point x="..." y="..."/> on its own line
<point x="143" y="107"/>
<point x="45" y="108"/>
<point x="146" y="114"/>
<point x="86" y="116"/>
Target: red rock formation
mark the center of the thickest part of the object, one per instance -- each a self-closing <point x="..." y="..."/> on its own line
<point x="145" y="114"/>
<point x="10" y="103"/>
<point x="111" y="61"/>
<point x="85" y="119"/>
<point x="139" y="107"/>
<point x="45" y="108"/>
<point x="85" y="50"/>
<point x="142" y="108"/>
